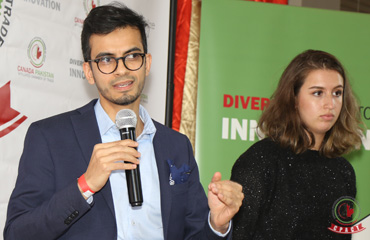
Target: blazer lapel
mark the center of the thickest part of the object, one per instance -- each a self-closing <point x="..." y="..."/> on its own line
<point x="86" y="129"/>
<point x="88" y="135"/>
<point x="161" y="156"/>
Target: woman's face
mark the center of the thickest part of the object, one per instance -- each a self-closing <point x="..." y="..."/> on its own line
<point x="319" y="101"/>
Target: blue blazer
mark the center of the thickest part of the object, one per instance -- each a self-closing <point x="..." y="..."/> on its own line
<point x="46" y="202"/>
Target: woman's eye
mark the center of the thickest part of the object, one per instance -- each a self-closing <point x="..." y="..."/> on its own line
<point x="317" y="93"/>
<point x="338" y="93"/>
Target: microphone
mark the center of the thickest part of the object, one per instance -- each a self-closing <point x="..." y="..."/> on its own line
<point x="126" y="123"/>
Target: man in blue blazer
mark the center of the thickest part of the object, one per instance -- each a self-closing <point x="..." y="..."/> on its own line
<point x="71" y="180"/>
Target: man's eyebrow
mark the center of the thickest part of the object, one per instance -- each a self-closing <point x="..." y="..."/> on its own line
<point x="134" y="49"/>
<point x="103" y="54"/>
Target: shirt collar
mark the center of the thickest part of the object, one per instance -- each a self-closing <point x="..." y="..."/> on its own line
<point x="105" y="123"/>
<point x="149" y="128"/>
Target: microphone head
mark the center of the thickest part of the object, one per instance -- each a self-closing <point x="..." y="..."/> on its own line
<point x="126" y="118"/>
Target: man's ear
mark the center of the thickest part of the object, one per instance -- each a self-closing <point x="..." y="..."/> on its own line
<point x="148" y="63"/>
<point x="88" y="73"/>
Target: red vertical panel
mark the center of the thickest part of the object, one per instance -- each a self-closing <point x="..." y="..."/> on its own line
<point x="181" y="53"/>
<point x="272" y="1"/>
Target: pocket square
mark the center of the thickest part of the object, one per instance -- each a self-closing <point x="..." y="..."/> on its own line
<point x="178" y="175"/>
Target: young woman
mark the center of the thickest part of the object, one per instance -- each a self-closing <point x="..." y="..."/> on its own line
<point x="292" y="178"/>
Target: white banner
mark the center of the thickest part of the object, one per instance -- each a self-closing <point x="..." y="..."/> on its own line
<point x="41" y="69"/>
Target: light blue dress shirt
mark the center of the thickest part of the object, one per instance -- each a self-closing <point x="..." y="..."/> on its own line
<point x="144" y="222"/>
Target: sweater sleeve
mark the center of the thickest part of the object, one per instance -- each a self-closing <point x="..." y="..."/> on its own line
<point x="255" y="172"/>
<point x="350" y="178"/>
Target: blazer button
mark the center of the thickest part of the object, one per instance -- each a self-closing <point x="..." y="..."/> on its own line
<point x="71" y="217"/>
<point x="74" y="214"/>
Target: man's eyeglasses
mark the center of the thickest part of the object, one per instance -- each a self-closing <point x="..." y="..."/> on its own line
<point x="108" y="64"/>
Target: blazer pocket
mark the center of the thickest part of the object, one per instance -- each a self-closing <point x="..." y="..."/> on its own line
<point x="179" y="201"/>
<point x="179" y="189"/>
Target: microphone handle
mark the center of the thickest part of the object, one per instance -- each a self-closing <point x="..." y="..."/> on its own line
<point x="135" y="194"/>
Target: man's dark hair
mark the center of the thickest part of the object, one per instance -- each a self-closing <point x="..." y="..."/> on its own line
<point x="105" y="19"/>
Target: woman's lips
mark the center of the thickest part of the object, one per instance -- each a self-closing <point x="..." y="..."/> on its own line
<point x="327" y="117"/>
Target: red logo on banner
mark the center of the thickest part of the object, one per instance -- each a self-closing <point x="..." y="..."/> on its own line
<point x="90" y="4"/>
<point x="10" y="119"/>
<point x="346" y="212"/>
<point x="37" y="52"/>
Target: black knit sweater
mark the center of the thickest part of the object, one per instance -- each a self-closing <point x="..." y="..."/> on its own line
<point x="289" y="196"/>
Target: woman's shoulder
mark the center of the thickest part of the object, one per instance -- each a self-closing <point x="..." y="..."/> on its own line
<point x="264" y="148"/>
<point x="262" y="153"/>
<point x="258" y="165"/>
<point x="344" y="166"/>
<point x="267" y="143"/>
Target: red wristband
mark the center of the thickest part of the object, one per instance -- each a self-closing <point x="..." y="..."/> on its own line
<point x="83" y="184"/>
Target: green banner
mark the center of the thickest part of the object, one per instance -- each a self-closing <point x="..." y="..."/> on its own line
<point x="244" y="48"/>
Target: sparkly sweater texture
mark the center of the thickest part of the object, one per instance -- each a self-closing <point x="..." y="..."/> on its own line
<point x="289" y="196"/>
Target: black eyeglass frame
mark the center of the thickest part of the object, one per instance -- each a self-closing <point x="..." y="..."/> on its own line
<point x="97" y="60"/>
